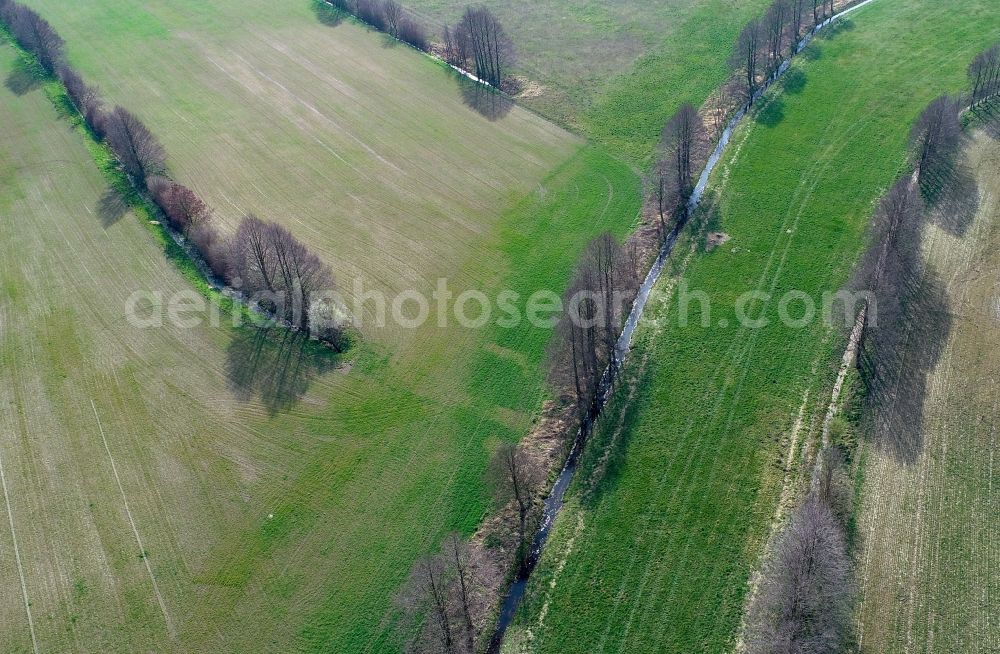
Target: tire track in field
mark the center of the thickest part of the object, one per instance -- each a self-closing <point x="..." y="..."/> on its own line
<point x="748" y="341"/>
<point x="17" y="558"/>
<point x="135" y="529"/>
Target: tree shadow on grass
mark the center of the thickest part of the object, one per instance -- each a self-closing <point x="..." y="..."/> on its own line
<point x="901" y="350"/>
<point x="275" y="364"/>
<point x="794" y="81"/>
<point x="489" y="103"/>
<point x="111" y="208"/>
<point x="955" y="204"/>
<point x="602" y="461"/>
<point x="987" y="114"/>
<point x="329" y="16"/>
<point x="772" y="113"/>
<point x="22" y="79"/>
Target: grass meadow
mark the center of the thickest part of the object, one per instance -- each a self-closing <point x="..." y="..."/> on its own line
<point x="928" y="526"/>
<point x="656" y="555"/>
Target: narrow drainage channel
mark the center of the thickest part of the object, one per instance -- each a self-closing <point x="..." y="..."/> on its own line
<point x="554" y="502"/>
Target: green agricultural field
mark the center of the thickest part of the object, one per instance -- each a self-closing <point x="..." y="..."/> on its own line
<point x="280" y="500"/>
<point x="615" y="71"/>
<point x="656" y="555"/>
<point x="928" y="527"/>
<point x="366" y="150"/>
<point x="95" y="413"/>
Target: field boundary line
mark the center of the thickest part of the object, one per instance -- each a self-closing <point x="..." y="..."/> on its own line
<point x="135" y="530"/>
<point x="17" y="559"/>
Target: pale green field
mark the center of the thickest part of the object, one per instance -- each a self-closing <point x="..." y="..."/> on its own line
<point x="928" y="559"/>
<point x="365" y="149"/>
<point x="79" y="387"/>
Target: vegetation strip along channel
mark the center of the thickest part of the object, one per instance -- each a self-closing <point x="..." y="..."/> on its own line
<point x="554" y="502"/>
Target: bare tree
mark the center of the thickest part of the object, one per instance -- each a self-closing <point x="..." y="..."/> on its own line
<point x="583" y="344"/>
<point x="804" y="602"/>
<point x="35" y="35"/>
<point x="80" y="93"/>
<point x="834" y="488"/>
<point x="614" y="285"/>
<point x="573" y="357"/>
<point x="392" y="11"/>
<point x="278" y="270"/>
<point x="301" y="272"/>
<point x="796" y="12"/>
<point x="515" y="478"/>
<point x="213" y="248"/>
<point x="252" y="260"/>
<point x="413" y="33"/>
<point x="934" y="141"/>
<point x="489" y="46"/>
<point x="898" y="214"/>
<point x="424" y="596"/>
<point x="984" y="75"/>
<point x="682" y="143"/>
<point x="456" y="45"/>
<point x="776" y="27"/>
<point x="746" y="55"/>
<point x="457" y="550"/>
<point x="182" y="207"/>
<point x="371" y="12"/>
<point x="139" y="152"/>
<point x="659" y="184"/>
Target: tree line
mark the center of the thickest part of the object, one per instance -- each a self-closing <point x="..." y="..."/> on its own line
<point x="682" y="147"/>
<point x="984" y="76"/>
<point x="387" y="16"/>
<point x="476" y="43"/>
<point x="767" y="41"/>
<point x="582" y="355"/>
<point x="449" y="598"/>
<point x="761" y="48"/>
<point x="263" y="260"/>
<point x="804" y="602"/>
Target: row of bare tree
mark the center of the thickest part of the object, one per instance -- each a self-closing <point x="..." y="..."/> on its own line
<point x="263" y="259"/>
<point x="804" y="600"/>
<point x="450" y="596"/>
<point x="582" y="348"/>
<point x="934" y="141"/>
<point x="446" y="602"/>
<point x="906" y="306"/>
<point x="682" y="147"/>
<point x="984" y="76"/>
<point x="436" y="599"/>
<point x="387" y="16"/>
<point x="478" y="42"/>
<point x="765" y="42"/>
